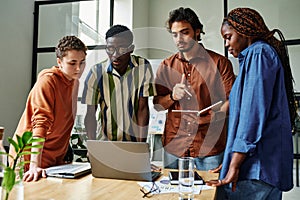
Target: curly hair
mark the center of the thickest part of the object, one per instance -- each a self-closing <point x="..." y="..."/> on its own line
<point x="120" y="31"/>
<point x="249" y="22"/>
<point x="69" y="43"/>
<point x="184" y="14"/>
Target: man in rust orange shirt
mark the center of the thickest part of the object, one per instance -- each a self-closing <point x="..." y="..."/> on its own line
<point x="193" y="79"/>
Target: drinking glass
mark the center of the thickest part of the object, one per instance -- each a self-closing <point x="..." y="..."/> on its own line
<point x="186" y="178"/>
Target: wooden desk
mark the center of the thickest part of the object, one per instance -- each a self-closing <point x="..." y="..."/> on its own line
<point x="89" y="188"/>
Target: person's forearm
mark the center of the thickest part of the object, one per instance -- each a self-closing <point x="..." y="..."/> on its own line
<point x="162" y="102"/>
<point x="90" y="122"/>
<point x="142" y="122"/>
<point x="90" y="127"/>
<point x="237" y="160"/>
<point x="35" y="159"/>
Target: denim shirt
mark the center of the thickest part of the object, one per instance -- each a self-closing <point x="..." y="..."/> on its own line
<point x="259" y="122"/>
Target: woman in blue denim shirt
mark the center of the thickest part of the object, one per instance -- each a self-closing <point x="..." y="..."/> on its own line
<point x="258" y="159"/>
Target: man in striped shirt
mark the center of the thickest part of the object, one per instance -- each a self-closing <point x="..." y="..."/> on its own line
<point x="121" y="86"/>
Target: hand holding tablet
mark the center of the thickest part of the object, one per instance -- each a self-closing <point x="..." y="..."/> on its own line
<point x="197" y="111"/>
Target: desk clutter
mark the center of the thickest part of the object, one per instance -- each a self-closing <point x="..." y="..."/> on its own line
<point x="165" y="186"/>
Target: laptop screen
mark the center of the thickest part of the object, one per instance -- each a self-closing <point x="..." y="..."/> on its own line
<point x="120" y="160"/>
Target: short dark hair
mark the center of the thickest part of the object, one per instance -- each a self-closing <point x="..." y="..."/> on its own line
<point x="120" y="31"/>
<point x="184" y="14"/>
<point x="69" y="43"/>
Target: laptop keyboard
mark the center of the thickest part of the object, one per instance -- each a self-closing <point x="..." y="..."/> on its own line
<point x="65" y="168"/>
<point x="72" y="167"/>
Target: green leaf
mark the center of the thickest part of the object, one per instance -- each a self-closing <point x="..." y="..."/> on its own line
<point x="11" y="156"/>
<point x="34" y="152"/>
<point x="21" y="164"/>
<point x="20" y="145"/>
<point x="2" y="165"/>
<point x="20" y="142"/>
<point x="3" y="153"/>
<point x="11" y="141"/>
<point x="26" y="153"/>
<point x="21" y="173"/>
<point x="37" y="140"/>
<point x="27" y="137"/>
<point x="38" y="146"/>
<point x="9" y="179"/>
<point x="26" y="162"/>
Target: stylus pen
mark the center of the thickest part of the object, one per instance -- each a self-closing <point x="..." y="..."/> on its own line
<point x="209" y="107"/>
<point x="186" y="91"/>
<point x="182" y="82"/>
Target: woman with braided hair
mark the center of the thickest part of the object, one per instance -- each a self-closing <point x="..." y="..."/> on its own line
<point x="258" y="159"/>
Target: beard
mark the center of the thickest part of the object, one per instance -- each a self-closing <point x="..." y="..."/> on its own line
<point x="187" y="46"/>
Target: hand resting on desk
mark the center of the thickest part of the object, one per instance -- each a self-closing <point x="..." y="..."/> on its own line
<point x="34" y="173"/>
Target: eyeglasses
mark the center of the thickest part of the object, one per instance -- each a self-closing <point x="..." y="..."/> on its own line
<point x="120" y="50"/>
<point x="150" y="191"/>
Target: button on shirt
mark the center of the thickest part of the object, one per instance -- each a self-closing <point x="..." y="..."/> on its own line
<point x="259" y="122"/>
<point x="118" y="95"/>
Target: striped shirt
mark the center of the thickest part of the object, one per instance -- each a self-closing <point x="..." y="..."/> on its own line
<point x="118" y="95"/>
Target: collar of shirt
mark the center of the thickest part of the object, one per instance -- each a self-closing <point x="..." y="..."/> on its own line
<point x="243" y="53"/>
<point x="111" y="70"/>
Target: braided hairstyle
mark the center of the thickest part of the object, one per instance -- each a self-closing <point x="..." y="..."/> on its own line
<point x="249" y="22"/>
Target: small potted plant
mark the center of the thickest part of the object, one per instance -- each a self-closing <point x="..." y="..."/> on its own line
<point x="22" y="147"/>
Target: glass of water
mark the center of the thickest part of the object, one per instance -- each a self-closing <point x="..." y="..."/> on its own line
<point x="186" y="178"/>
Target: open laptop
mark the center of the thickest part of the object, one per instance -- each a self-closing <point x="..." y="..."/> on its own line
<point x="121" y="160"/>
<point x="73" y="170"/>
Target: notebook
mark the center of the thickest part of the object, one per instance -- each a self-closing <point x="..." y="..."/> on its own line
<point x="73" y="170"/>
<point x="121" y="160"/>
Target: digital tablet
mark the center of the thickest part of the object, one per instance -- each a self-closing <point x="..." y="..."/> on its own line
<point x="173" y="176"/>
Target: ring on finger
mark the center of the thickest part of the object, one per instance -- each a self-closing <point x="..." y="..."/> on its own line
<point x="220" y="181"/>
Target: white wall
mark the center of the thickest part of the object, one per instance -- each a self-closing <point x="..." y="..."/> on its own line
<point x="16" y="22"/>
<point x="210" y="13"/>
<point x="122" y="13"/>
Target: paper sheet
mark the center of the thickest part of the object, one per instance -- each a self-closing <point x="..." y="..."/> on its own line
<point x="166" y="187"/>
